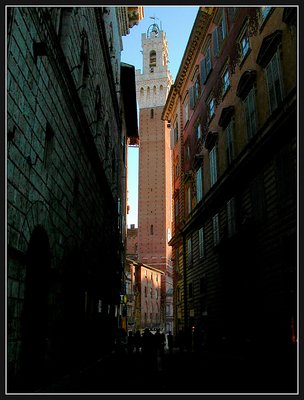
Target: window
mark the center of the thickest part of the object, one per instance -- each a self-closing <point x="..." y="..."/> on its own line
<point x="264" y="11"/>
<point x="190" y="290"/>
<point x="250" y="113"/>
<point x="229" y="143"/>
<point x="231" y="227"/>
<point x="203" y="284"/>
<point x="84" y="63"/>
<point x="152" y="58"/>
<point x="205" y="66"/>
<point x="213" y="166"/>
<point x="198" y="131"/>
<point x="48" y="145"/>
<point x="194" y="92"/>
<point x="152" y="113"/>
<point x="176" y="170"/>
<point x="151" y="230"/>
<point x="232" y="13"/>
<point x="151" y="276"/>
<point x="199" y="185"/>
<point x="216" y="229"/>
<point x="219" y="34"/>
<point x="176" y="133"/>
<point x="188" y="151"/>
<point x="178" y="294"/>
<point x="244" y="44"/>
<point x="201" y="244"/>
<point x="189" y="207"/>
<point x="226" y="80"/>
<point x="186" y="112"/>
<point x="145" y="291"/>
<point x="211" y="108"/>
<point x="177" y="260"/>
<point x="274" y="82"/>
<point x="151" y="293"/>
<point x="189" y="251"/>
<point x="176" y="208"/>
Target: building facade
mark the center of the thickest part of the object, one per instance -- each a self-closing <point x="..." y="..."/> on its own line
<point x="154" y="209"/>
<point x="132" y="243"/>
<point x="143" y="296"/>
<point x="68" y="126"/>
<point x="233" y="116"/>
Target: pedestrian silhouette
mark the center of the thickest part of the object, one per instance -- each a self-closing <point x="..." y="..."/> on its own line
<point x="137" y="341"/>
<point x="149" y="349"/>
<point x="130" y="344"/>
<point x="170" y="341"/>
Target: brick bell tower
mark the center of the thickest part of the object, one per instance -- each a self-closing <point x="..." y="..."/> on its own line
<point x="154" y="191"/>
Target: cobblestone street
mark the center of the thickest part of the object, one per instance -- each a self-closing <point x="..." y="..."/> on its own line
<point x="177" y="373"/>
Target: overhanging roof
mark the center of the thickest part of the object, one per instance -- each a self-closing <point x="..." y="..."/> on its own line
<point x="128" y="89"/>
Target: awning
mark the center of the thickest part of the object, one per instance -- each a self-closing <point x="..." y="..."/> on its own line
<point x="128" y="90"/>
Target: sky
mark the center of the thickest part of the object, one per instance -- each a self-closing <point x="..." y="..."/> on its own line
<point x="177" y="23"/>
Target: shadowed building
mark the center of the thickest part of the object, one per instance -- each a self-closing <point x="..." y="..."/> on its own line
<point x="68" y="127"/>
<point x="233" y="115"/>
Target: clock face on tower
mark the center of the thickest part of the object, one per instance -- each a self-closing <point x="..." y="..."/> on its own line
<point x="153" y="30"/>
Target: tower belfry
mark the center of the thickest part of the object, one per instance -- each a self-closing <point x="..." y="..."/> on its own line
<point x="154" y="192"/>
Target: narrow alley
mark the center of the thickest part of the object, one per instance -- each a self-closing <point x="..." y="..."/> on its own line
<point x="188" y="115"/>
<point x="179" y="372"/>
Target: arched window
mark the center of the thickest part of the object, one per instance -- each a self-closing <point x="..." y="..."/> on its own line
<point x="98" y="109"/>
<point x="113" y="165"/>
<point x="84" y="53"/>
<point x="142" y="91"/>
<point x="152" y="58"/>
<point x="154" y="89"/>
<point x="152" y="113"/>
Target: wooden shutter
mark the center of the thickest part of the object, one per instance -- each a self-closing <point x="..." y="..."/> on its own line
<point x="203" y="71"/>
<point x="271" y="92"/>
<point x="224" y="25"/>
<point x="191" y="94"/>
<point x="215" y="42"/>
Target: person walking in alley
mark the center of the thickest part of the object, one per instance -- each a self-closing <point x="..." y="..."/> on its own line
<point x="137" y="341"/>
<point x="130" y="344"/>
<point x="170" y="342"/>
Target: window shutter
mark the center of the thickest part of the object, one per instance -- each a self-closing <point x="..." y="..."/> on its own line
<point x="172" y="138"/>
<point x="199" y="192"/>
<point x="215" y="42"/>
<point x="224" y="26"/>
<point x="252" y="112"/>
<point x="191" y="91"/>
<point x="270" y="86"/>
<point x="246" y="105"/>
<point x="276" y="78"/>
<point x="203" y="71"/>
<point x="231" y="13"/>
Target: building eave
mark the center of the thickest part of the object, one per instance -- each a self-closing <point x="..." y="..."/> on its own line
<point x="199" y="30"/>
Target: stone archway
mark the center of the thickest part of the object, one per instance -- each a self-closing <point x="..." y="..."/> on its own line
<point x="35" y="312"/>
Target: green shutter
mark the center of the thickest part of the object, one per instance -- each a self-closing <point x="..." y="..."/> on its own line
<point x="203" y="71"/>
<point x="191" y="94"/>
<point x="215" y="42"/>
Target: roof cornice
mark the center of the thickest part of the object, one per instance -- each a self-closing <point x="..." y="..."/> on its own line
<point x="199" y="30"/>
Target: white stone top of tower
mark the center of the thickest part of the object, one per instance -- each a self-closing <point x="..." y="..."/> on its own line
<point x="153" y="84"/>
